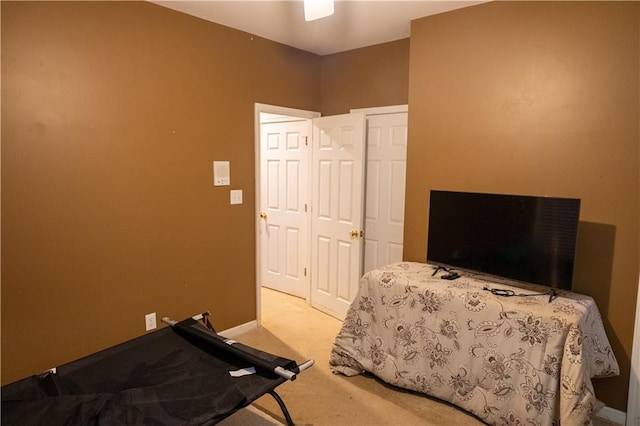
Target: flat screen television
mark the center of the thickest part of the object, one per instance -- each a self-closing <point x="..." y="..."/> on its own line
<point x="522" y="238"/>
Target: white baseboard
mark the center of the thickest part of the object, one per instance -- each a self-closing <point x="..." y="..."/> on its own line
<point x="612" y="415"/>
<point x="238" y="330"/>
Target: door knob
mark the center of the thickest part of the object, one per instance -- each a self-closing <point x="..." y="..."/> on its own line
<point x="355" y="233"/>
<point x="263" y="215"/>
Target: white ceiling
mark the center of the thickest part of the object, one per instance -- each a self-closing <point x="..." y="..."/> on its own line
<point x="354" y="24"/>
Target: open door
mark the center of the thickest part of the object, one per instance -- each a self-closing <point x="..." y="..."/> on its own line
<point x="337" y="216"/>
<point x="284" y="224"/>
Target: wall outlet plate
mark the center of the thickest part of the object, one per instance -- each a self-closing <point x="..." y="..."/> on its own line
<point x="150" y="321"/>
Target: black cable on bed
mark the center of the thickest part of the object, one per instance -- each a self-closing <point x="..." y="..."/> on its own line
<point x="503" y="292"/>
<point x="438" y="269"/>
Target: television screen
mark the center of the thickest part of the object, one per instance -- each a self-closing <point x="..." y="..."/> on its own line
<point x="522" y="238"/>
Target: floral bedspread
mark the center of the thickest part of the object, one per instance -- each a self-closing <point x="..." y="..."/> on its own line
<point x="508" y="360"/>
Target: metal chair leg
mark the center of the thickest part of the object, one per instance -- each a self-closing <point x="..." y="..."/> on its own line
<point x="283" y="407"/>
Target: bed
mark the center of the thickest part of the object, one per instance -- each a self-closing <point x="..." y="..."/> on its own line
<point x="507" y="360"/>
<point x="186" y="374"/>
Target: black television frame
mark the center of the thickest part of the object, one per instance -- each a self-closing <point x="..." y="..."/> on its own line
<point x="470" y="231"/>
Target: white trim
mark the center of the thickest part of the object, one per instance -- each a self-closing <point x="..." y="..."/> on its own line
<point x="611" y="415"/>
<point x="239" y="329"/>
<point x="279" y="110"/>
<point x="270" y="109"/>
<point x="633" y="408"/>
<point x="393" y="109"/>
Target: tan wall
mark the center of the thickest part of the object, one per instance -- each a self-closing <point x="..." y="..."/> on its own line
<point x="542" y="99"/>
<point x="112" y="114"/>
<point x="368" y="77"/>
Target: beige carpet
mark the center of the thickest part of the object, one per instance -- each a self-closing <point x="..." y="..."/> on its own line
<point x="293" y="329"/>
<point x="250" y="416"/>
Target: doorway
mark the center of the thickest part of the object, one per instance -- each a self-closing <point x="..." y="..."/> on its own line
<point x="382" y="242"/>
<point x="285" y="275"/>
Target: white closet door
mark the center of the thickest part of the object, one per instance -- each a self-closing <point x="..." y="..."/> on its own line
<point x="385" y="189"/>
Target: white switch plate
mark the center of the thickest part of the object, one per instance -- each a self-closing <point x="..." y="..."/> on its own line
<point x="150" y="321"/>
<point x="236" y="196"/>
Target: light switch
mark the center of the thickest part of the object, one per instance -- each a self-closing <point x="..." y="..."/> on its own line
<point x="236" y="196"/>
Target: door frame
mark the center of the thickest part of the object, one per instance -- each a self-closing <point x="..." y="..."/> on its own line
<point x="392" y="109"/>
<point x="270" y="109"/>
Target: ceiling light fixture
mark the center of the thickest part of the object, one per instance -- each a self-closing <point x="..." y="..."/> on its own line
<point x="316" y="9"/>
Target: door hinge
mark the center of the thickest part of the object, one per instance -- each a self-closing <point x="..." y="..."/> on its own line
<point x="305" y="272"/>
<point x="306" y="140"/>
<point x="305" y="207"/>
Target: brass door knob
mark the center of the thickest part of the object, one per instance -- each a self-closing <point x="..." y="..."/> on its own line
<point x="263" y="215"/>
<point x="355" y="233"/>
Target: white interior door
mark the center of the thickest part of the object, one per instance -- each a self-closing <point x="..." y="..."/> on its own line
<point x="385" y="189"/>
<point x="284" y="222"/>
<point x="337" y="216"/>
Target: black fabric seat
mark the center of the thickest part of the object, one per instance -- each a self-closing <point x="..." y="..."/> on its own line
<point x="160" y="378"/>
